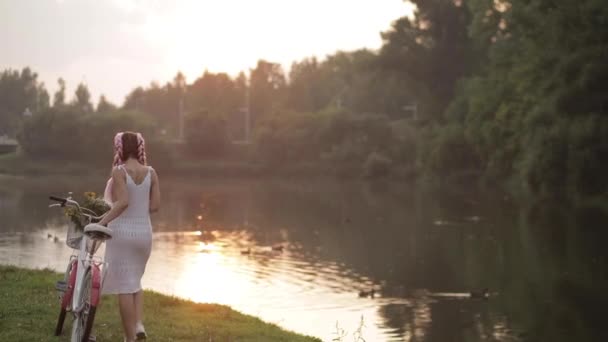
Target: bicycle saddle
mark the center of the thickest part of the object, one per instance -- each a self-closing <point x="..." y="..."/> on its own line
<point x="98" y="232"/>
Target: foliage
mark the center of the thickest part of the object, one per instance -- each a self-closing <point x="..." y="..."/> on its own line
<point x="349" y="137"/>
<point x="288" y="137"/>
<point x="19" y="90"/>
<point x="266" y="89"/>
<point x="513" y="90"/>
<point x="529" y="110"/>
<point x="91" y="202"/>
<point x="450" y="151"/>
<point x="206" y="135"/>
<point x="67" y="134"/>
<point x="105" y="106"/>
<point x="59" y="97"/>
<point x="82" y="99"/>
<point x="431" y="53"/>
<point x="336" y="138"/>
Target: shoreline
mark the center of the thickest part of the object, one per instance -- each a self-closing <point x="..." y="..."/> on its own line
<point x="16" y="164"/>
<point x="29" y="308"/>
<point x="17" y="167"/>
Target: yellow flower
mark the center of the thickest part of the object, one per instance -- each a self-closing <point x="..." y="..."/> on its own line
<point x="90" y="194"/>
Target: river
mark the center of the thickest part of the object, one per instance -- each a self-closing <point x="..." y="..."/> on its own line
<point x="422" y="252"/>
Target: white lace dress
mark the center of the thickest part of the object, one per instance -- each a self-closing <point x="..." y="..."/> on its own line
<point x="129" y="249"/>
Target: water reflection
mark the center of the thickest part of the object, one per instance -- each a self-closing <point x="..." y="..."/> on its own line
<point x="298" y="255"/>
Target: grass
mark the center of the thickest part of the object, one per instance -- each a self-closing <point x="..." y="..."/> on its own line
<point x="29" y="307"/>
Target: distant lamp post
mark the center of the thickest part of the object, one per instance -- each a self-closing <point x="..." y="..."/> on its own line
<point x="413" y="108"/>
<point x="27" y="112"/>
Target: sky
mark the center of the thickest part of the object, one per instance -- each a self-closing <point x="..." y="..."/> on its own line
<point x="114" y="46"/>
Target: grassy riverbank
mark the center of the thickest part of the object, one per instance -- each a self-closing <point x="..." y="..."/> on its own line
<point x="29" y="308"/>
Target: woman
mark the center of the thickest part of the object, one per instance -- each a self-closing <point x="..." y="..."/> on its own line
<point x="133" y="192"/>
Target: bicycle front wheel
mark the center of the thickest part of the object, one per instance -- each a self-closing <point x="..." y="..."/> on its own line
<point x="83" y="320"/>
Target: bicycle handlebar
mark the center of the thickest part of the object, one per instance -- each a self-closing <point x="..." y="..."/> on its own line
<point x="58" y="199"/>
<point x="67" y="201"/>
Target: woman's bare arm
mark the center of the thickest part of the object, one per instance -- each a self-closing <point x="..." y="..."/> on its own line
<point x="119" y="190"/>
<point x="154" y="193"/>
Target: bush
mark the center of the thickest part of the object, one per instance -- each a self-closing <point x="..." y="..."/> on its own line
<point x="567" y="157"/>
<point x="450" y="151"/>
<point x="587" y="159"/>
<point x="288" y="137"/>
<point x="350" y="138"/>
<point x="68" y="135"/>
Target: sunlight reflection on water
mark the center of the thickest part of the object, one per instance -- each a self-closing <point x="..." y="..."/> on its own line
<point x="279" y="287"/>
<point x="304" y="257"/>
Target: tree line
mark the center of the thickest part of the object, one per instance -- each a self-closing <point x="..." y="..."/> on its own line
<point x="507" y="92"/>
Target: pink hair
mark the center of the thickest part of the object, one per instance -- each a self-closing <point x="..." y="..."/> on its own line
<point x="117" y="149"/>
<point x="118" y="159"/>
<point x="141" y="149"/>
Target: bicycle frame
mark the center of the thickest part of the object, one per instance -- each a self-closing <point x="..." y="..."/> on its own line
<point x="83" y="266"/>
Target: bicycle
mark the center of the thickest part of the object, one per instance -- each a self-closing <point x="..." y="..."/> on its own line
<point x="80" y="289"/>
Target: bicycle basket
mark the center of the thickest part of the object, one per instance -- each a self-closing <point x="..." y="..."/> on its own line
<point x="74" y="236"/>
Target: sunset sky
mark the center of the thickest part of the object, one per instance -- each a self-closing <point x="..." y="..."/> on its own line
<point x="115" y="45"/>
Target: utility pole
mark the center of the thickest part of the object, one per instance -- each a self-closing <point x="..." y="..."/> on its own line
<point x="247" y="114"/>
<point x="181" y="118"/>
<point x="182" y="87"/>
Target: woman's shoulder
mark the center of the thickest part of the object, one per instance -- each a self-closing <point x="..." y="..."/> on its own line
<point x="152" y="171"/>
<point x="153" y="175"/>
<point x="118" y="169"/>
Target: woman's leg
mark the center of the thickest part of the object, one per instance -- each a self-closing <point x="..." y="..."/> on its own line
<point x="127" y="313"/>
<point x="138" y="298"/>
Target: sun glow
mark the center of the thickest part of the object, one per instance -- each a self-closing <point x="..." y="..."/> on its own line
<point x="210" y="277"/>
<point x="232" y="35"/>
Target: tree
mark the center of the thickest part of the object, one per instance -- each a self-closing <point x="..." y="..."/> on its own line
<point x="59" y="97"/>
<point x="304" y="92"/>
<point x="206" y="134"/>
<point x="535" y="110"/>
<point x="431" y="52"/>
<point x="43" y="98"/>
<point x="105" y="106"/>
<point x="19" y="90"/>
<point x="266" y="89"/>
<point x="133" y="99"/>
<point x="217" y="92"/>
<point x="82" y="99"/>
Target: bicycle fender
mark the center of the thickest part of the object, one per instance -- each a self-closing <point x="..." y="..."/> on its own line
<point x="67" y="296"/>
<point x="96" y="285"/>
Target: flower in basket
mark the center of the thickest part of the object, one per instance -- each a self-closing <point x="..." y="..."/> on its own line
<point x="91" y="202"/>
